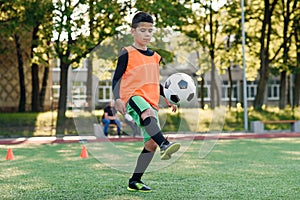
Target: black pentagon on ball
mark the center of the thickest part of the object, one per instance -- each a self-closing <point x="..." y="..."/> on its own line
<point x="190" y="97"/>
<point x="167" y="84"/>
<point x="182" y="84"/>
<point x="174" y="98"/>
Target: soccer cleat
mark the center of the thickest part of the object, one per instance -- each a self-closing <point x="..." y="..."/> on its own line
<point x="138" y="186"/>
<point x="166" y="150"/>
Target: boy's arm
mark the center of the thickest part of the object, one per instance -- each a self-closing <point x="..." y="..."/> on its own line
<point x="161" y="89"/>
<point x="120" y="70"/>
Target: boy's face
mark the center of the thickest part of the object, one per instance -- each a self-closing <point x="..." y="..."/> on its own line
<point x="143" y="33"/>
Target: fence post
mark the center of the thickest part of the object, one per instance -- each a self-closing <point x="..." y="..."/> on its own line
<point x="257" y="127"/>
<point x="296" y="126"/>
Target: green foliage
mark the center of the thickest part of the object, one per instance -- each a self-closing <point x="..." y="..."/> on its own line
<point x="41" y="124"/>
<point x="78" y="30"/>
<point x="32" y="124"/>
<point x="167" y="56"/>
<point x="174" y="122"/>
<point x="85" y="28"/>
<point x="170" y="13"/>
<point x="17" y="124"/>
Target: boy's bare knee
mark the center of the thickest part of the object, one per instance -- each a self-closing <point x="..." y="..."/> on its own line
<point x="150" y="145"/>
<point x="147" y="113"/>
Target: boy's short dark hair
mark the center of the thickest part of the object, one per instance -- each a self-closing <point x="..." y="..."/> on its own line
<point x="141" y="17"/>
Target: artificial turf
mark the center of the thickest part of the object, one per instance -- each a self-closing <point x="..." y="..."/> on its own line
<point x="233" y="169"/>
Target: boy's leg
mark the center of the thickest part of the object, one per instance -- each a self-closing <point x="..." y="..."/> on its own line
<point x="143" y="114"/>
<point x="143" y="162"/>
<point x="166" y="148"/>
<point x="136" y="107"/>
<point x="147" y="118"/>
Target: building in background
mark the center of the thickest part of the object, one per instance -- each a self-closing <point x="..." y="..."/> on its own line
<point x="102" y="89"/>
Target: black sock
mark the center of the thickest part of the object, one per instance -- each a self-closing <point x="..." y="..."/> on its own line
<point x="154" y="131"/>
<point x="142" y="163"/>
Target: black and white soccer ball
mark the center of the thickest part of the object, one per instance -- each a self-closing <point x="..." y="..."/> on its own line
<point x="180" y="88"/>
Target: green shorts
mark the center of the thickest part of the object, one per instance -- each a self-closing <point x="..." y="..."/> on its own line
<point x="135" y="106"/>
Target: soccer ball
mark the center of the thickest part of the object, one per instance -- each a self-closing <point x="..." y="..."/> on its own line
<point x="179" y="88"/>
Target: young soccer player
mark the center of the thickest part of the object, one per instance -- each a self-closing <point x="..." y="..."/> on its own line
<point x="136" y="91"/>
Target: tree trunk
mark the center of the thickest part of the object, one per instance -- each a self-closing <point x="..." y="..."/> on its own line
<point x="22" y="102"/>
<point x="213" y="85"/>
<point x="62" y="101"/>
<point x="44" y="88"/>
<point x="230" y="87"/>
<point x="45" y="82"/>
<point x="217" y="93"/>
<point x="283" y="90"/>
<point x="202" y="91"/>
<point x="201" y="85"/>
<point x="283" y="76"/>
<point x="296" y="100"/>
<point x="261" y="88"/>
<point x="89" y="84"/>
<point x="35" y="101"/>
<point x="297" y="75"/>
<point x="229" y="75"/>
<point x="89" y="81"/>
<point x="212" y="62"/>
<point x="264" y="55"/>
<point x="63" y="92"/>
<point x="289" y="92"/>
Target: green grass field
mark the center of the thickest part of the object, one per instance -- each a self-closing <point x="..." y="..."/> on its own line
<point x="234" y="169"/>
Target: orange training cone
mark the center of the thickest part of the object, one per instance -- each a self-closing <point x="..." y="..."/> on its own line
<point x="84" y="153"/>
<point x="10" y="154"/>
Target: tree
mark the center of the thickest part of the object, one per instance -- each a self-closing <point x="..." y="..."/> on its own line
<point x="11" y="20"/>
<point x="74" y="39"/>
<point x="276" y="46"/>
<point x="287" y="10"/>
<point x="265" y="40"/>
<point x="22" y="101"/>
<point x="23" y="19"/>
<point x="296" y="27"/>
<point x="207" y="21"/>
<point x="232" y="29"/>
<point x="38" y="18"/>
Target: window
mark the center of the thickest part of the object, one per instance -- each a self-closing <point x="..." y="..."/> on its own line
<point x="104" y="91"/>
<point x="206" y="92"/>
<point x="79" y="88"/>
<point x="226" y="88"/>
<point x="251" y="89"/>
<point x="78" y="94"/>
<point x="273" y="89"/>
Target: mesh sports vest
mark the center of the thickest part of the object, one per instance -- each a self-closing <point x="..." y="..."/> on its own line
<point x="141" y="77"/>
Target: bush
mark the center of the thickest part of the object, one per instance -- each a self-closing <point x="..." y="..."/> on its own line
<point x="43" y="124"/>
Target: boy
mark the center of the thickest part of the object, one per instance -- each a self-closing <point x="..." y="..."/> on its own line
<point x="136" y="91"/>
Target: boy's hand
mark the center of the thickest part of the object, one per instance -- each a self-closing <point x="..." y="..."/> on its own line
<point x="174" y="107"/>
<point x="119" y="105"/>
